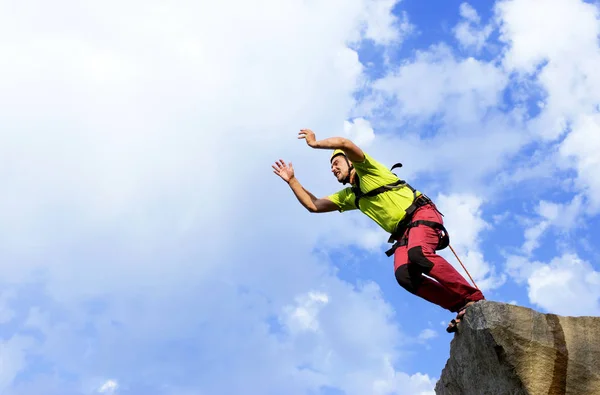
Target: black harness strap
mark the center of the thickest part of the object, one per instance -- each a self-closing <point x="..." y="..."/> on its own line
<point x="400" y="243"/>
<point x="384" y="188"/>
<point x="420" y="201"/>
<point x="443" y="242"/>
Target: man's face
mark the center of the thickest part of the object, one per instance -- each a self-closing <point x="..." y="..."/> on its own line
<point x="339" y="167"/>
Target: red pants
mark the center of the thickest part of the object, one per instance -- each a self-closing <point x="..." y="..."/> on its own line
<point x="450" y="290"/>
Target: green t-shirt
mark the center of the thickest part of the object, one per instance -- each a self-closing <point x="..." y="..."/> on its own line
<point x="386" y="209"/>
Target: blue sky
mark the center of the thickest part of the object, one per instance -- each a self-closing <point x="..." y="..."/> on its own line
<point x="147" y="247"/>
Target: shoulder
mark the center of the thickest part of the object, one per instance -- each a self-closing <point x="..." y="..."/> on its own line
<point x="369" y="163"/>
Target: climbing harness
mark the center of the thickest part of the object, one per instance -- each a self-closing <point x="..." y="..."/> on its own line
<point x="400" y="235"/>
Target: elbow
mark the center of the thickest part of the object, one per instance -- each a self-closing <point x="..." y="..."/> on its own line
<point x="312" y="207"/>
<point x="345" y="143"/>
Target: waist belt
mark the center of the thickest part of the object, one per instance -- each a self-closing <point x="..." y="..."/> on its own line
<point x="406" y="223"/>
<point x="419" y="202"/>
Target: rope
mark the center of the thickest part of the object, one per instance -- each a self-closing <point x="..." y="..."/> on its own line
<point x="463" y="266"/>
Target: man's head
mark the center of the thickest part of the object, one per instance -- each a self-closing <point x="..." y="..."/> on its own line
<point x="341" y="167"/>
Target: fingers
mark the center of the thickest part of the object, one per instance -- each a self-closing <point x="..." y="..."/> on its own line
<point x="280" y="165"/>
<point x="282" y="170"/>
<point x="304" y="133"/>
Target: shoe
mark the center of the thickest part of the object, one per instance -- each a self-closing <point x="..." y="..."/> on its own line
<point x="453" y="325"/>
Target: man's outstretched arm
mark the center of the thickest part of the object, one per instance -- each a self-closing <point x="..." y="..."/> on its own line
<point x="352" y="151"/>
<point x="307" y="199"/>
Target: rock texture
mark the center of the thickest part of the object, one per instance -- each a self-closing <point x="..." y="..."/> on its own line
<point x="502" y="349"/>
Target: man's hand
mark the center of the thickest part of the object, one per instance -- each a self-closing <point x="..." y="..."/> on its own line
<point x="284" y="171"/>
<point x="309" y="136"/>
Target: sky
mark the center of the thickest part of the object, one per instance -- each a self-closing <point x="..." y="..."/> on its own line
<point x="146" y="246"/>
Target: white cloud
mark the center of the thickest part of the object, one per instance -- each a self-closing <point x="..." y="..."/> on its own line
<point x="382" y="26"/>
<point x="463" y="97"/>
<point x="559" y="48"/>
<point x="567" y="285"/>
<point x="138" y="180"/>
<point x="469" y="33"/>
<point x="427" y="334"/>
<point x="499" y="218"/>
<point x="582" y="146"/>
<point x="109" y="387"/>
<point x="532" y="236"/>
<point x="562" y="217"/>
<point x="13" y="358"/>
<point x="346" y="339"/>
<point x="441" y="117"/>
<point x="564" y="29"/>
<point x="351" y="228"/>
<point x="469" y="13"/>
<point x="153" y="132"/>
<point x="359" y="131"/>
<point x="303" y="316"/>
<point x="403" y="384"/>
<point x="437" y="81"/>
<point x="6" y="313"/>
<point x="519" y="268"/>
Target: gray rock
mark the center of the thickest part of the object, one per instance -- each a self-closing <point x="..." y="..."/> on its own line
<point x="502" y="349"/>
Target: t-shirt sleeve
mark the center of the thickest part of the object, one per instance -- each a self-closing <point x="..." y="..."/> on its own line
<point x="344" y="199"/>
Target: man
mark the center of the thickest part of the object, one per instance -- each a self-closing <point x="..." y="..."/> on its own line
<point x="409" y="216"/>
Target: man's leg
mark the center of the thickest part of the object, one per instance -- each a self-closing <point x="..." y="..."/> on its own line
<point x="410" y="277"/>
<point x="422" y="242"/>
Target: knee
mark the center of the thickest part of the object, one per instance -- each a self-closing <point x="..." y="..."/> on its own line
<point x="406" y="280"/>
<point x="417" y="257"/>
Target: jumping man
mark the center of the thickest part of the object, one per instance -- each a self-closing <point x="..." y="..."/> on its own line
<point x="410" y="217"/>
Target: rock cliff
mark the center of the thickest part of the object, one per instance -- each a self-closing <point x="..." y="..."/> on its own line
<point x="502" y="349"/>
